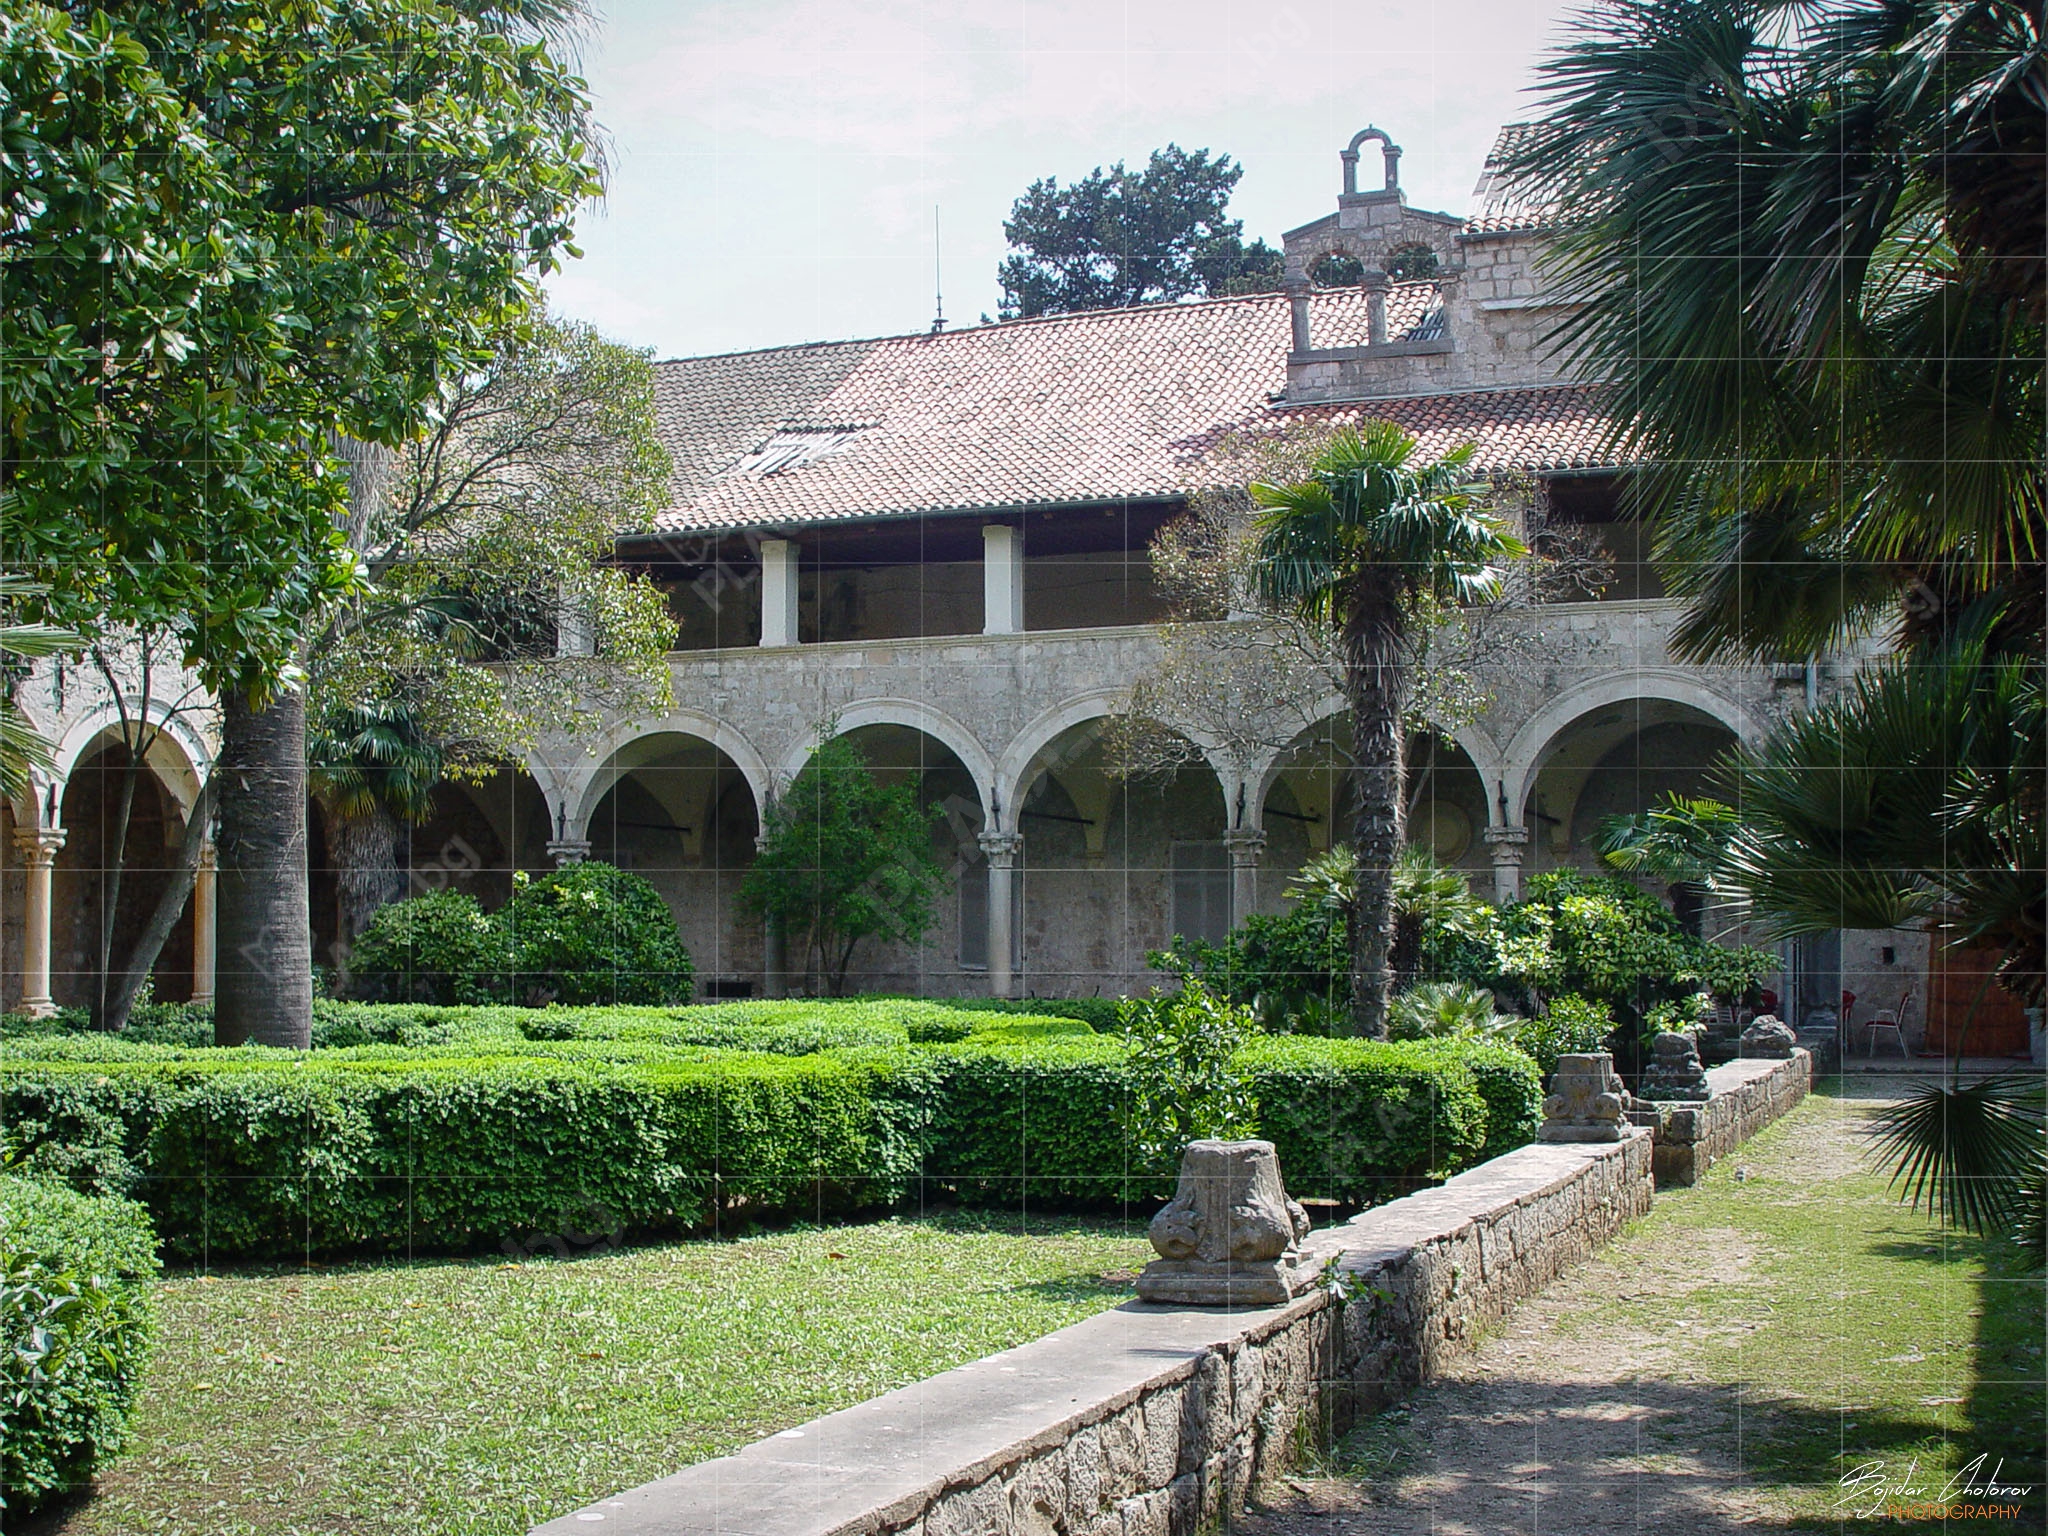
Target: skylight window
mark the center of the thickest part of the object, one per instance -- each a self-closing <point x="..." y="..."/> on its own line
<point x="793" y="448"/>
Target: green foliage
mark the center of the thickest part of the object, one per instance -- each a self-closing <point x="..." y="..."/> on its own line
<point x="1803" y="254"/>
<point x="21" y="748"/>
<point x="1971" y="1153"/>
<point x="844" y="858"/>
<point x="592" y="934"/>
<point x="1119" y="237"/>
<point x="437" y="948"/>
<point x="1446" y="1010"/>
<point x="1678" y="1016"/>
<point x="1570" y="1025"/>
<point x="495" y="527"/>
<point x="258" y="229"/>
<point x="1185" y="1080"/>
<point x="453" y="1129"/>
<point x="75" y="1272"/>
<point x="1683" y="840"/>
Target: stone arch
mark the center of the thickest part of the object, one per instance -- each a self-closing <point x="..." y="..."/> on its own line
<point x="1470" y="739"/>
<point x="1525" y="754"/>
<point x="579" y="789"/>
<point x="912" y="715"/>
<point x="177" y="755"/>
<point x="1390" y="160"/>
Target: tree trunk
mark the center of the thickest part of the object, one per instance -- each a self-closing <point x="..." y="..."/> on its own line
<point x="264" y="988"/>
<point x="364" y="852"/>
<point x="1375" y="676"/>
<point x="114" y="859"/>
<point x="170" y="905"/>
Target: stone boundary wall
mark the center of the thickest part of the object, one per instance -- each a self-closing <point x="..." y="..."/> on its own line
<point x="1151" y="1420"/>
<point x="1747" y="1096"/>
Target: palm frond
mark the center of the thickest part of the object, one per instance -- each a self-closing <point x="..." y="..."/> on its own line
<point x="1965" y="1152"/>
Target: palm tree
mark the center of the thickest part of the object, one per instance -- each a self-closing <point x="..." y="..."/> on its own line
<point x="372" y="769"/>
<point x="1354" y="548"/>
<point x="1806" y="243"/>
<point x="21" y="748"/>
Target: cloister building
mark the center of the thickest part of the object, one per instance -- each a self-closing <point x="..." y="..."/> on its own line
<point x="939" y="544"/>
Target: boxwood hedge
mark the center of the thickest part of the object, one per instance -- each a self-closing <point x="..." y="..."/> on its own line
<point x="74" y="1301"/>
<point x="460" y="1129"/>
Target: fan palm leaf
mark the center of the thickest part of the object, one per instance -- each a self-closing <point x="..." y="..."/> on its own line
<point x="1967" y="1152"/>
<point x="23" y="750"/>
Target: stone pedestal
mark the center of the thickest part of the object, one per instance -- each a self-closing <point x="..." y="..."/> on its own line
<point x="1230" y="1236"/>
<point x="1768" y="1038"/>
<point x="1587" y="1101"/>
<point x="1674" y="1071"/>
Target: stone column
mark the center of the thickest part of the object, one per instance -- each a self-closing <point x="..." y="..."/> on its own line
<point x="778" y="592"/>
<point x="203" y="925"/>
<point x="39" y="852"/>
<point x="1375" y="283"/>
<point x="1507" y="845"/>
<point x="1247" y="847"/>
<point x="1002" y="580"/>
<point x="568" y="850"/>
<point x="1003" y="849"/>
<point x="1295" y="285"/>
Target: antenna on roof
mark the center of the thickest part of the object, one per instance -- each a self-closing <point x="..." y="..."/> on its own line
<point x="938" y="286"/>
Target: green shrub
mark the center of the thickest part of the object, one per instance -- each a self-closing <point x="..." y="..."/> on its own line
<point x="456" y="1130"/>
<point x="1446" y="1010"/>
<point x="1186" y="1083"/>
<point x="592" y="934"/>
<point x="1363" y="1121"/>
<point x="439" y="948"/>
<point x="1509" y="1081"/>
<point x="75" y="1272"/>
<point x="1100" y="1014"/>
<point x="1571" y="1026"/>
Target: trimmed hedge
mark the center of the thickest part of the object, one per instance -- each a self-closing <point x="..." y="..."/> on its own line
<point x="74" y="1295"/>
<point x="504" y="1127"/>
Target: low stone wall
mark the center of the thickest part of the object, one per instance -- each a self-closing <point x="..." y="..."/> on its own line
<point x="1747" y="1096"/>
<point x="1150" y="1420"/>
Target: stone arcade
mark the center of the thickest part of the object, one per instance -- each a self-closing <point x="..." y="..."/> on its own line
<point x="937" y="543"/>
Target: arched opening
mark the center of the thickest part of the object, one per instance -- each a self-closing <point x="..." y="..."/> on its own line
<point x="479" y="835"/>
<point x="1336" y="269"/>
<point x="678" y="811"/>
<point x="84" y="876"/>
<point x="1615" y="759"/>
<point x="1116" y="863"/>
<point x="952" y="958"/>
<point x="1307" y="809"/>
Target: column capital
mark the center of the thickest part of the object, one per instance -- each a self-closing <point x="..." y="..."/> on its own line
<point x="39" y="845"/>
<point x="1002" y="848"/>
<point x="568" y="850"/>
<point x="1506" y="844"/>
<point x="209" y="857"/>
<point x="1247" y="845"/>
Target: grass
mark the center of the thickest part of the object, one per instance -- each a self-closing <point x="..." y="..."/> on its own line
<point x="1783" y="1327"/>
<point x="484" y="1396"/>
<point x="1858" y="1335"/>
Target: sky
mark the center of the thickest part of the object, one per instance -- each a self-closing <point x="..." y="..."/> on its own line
<point x="776" y="164"/>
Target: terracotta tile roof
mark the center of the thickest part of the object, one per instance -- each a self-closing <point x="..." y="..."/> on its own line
<point x="1098" y="407"/>
<point x="1498" y="204"/>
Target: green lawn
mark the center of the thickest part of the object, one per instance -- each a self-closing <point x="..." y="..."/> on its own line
<point x="484" y="1396"/>
<point x="1732" y="1358"/>
<point x="1860" y="1335"/>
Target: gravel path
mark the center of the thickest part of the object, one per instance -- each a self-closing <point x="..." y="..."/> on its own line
<point x="1562" y="1424"/>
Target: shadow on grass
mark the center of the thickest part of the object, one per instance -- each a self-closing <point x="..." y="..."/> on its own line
<point x="1524" y="1454"/>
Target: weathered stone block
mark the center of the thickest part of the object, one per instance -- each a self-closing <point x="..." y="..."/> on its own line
<point x="983" y="1510"/>
<point x="1037" y="1494"/>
